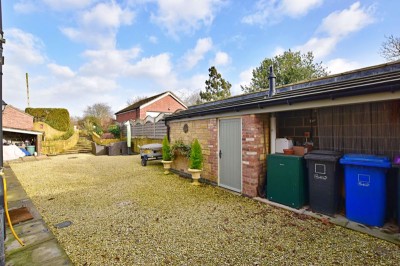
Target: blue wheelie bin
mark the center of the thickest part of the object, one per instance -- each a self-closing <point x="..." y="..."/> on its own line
<point x="365" y="185"/>
<point x="397" y="165"/>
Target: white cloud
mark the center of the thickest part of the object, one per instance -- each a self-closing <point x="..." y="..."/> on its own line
<point x="279" y="50"/>
<point x="146" y="67"/>
<point x="98" y="26"/>
<point x="24" y="48"/>
<point x="185" y="16"/>
<point x="61" y="71"/>
<point x="272" y="11"/>
<point x="337" y="26"/>
<point x="342" y="23"/>
<point x="153" y="39"/>
<point x="320" y="47"/>
<point x="340" y="65"/>
<point x="295" y="8"/>
<point x="67" y="4"/>
<point x="25" y="6"/>
<point x="245" y="79"/>
<point x="111" y="63"/>
<point x="107" y="15"/>
<point x="192" y="57"/>
<point x="221" y="59"/>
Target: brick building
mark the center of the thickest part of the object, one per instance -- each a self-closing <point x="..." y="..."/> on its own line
<point x="18" y="127"/>
<point x="352" y="112"/>
<point x="165" y="102"/>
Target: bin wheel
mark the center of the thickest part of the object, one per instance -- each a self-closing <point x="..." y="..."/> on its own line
<point x="144" y="162"/>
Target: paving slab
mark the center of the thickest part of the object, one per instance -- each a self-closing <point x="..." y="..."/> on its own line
<point x="41" y="247"/>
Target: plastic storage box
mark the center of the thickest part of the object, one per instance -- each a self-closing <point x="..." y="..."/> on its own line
<point x="323" y="180"/>
<point x="365" y="182"/>
<point x="283" y="143"/>
<point x="286" y="182"/>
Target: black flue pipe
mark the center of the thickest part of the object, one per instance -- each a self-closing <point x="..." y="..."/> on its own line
<point x="272" y="79"/>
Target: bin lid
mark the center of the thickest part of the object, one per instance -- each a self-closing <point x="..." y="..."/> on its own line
<point x="323" y="155"/>
<point x="366" y="160"/>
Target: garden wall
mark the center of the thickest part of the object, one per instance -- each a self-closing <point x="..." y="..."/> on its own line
<point x="58" y="146"/>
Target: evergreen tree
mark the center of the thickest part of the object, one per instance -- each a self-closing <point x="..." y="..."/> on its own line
<point x="289" y="67"/>
<point x="216" y="87"/>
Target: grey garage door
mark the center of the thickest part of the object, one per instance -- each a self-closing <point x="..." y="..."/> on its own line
<point x="230" y="154"/>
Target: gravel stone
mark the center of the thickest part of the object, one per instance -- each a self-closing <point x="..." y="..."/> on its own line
<point x="126" y="214"/>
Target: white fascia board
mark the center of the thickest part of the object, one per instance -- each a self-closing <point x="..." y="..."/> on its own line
<point x="22" y="131"/>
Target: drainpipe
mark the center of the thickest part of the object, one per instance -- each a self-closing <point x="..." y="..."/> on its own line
<point x="272" y="80"/>
<point x="272" y="132"/>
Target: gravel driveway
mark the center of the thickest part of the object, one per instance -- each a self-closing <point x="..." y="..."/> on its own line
<point x="126" y="214"/>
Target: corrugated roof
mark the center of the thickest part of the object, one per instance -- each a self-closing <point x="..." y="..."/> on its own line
<point x="378" y="78"/>
<point x="139" y="103"/>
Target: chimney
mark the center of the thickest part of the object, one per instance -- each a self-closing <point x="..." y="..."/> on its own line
<point x="272" y="79"/>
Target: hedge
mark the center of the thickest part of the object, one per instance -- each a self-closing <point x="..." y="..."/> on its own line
<point x="57" y="118"/>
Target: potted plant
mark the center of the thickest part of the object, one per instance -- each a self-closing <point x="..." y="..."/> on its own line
<point x="196" y="162"/>
<point x="166" y="155"/>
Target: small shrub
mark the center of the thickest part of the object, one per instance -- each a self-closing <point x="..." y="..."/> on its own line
<point x="166" y="150"/>
<point x="66" y="135"/>
<point x="99" y="131"/>
<point x="115" y="130"/>
<point x="180" y="148"/>
<point x="196" y="156"/>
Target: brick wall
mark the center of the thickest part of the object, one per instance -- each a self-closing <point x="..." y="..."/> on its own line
<point x="131" y="115"/>
<point x="14" y="118"/>
<point x="206" y="131"/>
<point x="255" y="147"/>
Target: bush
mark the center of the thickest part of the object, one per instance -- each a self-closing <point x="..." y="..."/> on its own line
<point x="99" y="131"/>
<point x="180" y="148"/>
<point x="66" y="135"/>
<point x="166" y="150"/>
<point x="57" y="118"/>
<point x="196" y="156"/>
<point x="115" y="130"/>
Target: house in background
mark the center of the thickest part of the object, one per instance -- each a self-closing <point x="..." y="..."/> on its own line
<point x="18" y="128"/>
<point x="165" y="102"/>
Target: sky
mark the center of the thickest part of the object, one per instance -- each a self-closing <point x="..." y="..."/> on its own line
<point x="82" y="52"/>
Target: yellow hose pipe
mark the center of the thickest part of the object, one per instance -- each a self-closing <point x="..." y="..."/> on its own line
<point x="6" y="208"/>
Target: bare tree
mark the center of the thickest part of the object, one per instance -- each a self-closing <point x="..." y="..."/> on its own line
<point x="100" y="111"/>
<point x="192" y="98"/>
<point x="390" y="49"/>
<point x="135" y="100"/>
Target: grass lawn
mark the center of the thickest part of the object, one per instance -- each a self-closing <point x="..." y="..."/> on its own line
<point x="126" y="214"/>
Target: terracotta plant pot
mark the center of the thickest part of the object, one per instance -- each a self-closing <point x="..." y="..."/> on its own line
<point x="288" y="151"/>
<point x="167" y="166"/>
<point x="195" y="176"/>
